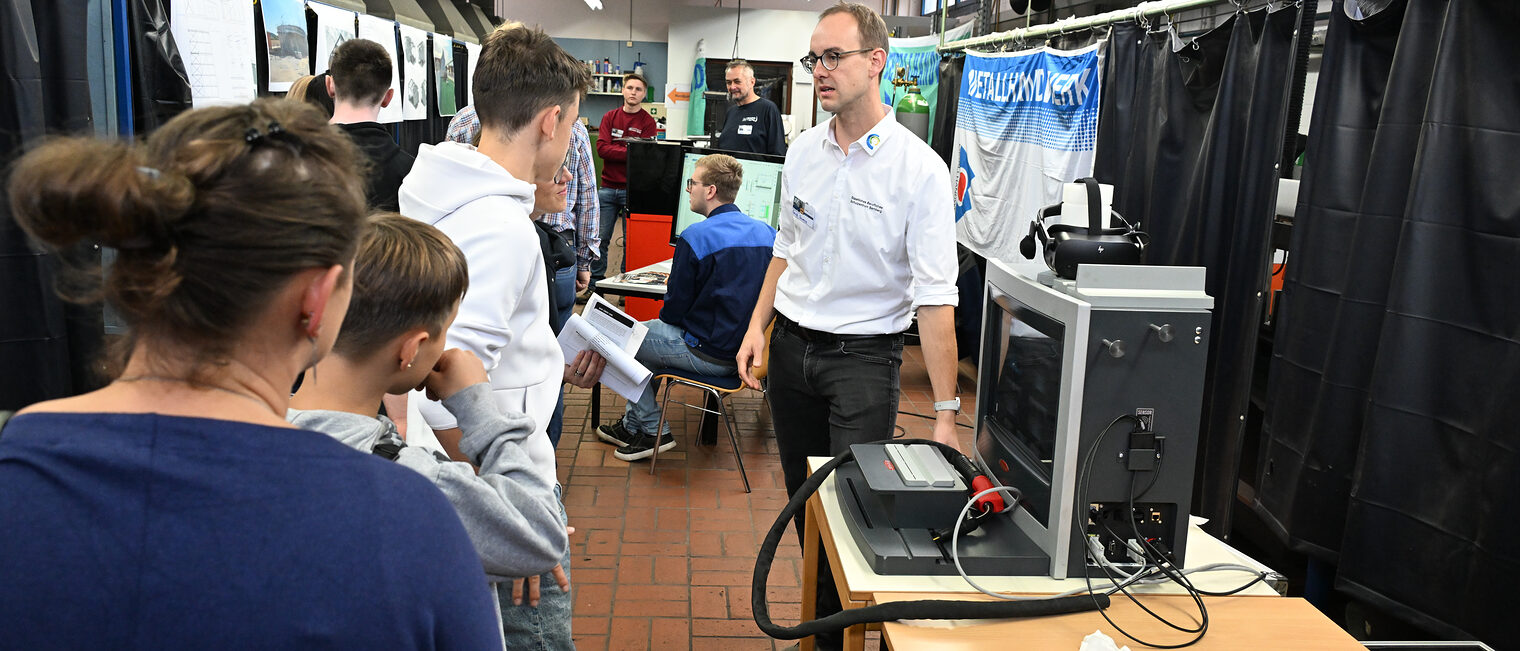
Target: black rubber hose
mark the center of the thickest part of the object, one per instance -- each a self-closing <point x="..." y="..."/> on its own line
<point x="925" y="609"/>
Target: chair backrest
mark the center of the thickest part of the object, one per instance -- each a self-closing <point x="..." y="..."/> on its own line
<point x="765" y="353"/>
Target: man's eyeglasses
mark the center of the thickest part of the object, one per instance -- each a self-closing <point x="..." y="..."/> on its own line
<point x="564" y="167"/>
<point x="830" y="59"/>
<point x="692" y="183"/>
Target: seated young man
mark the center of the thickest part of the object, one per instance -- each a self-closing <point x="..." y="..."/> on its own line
<point x="408" y="280"/>
<point x="715" y="279"/>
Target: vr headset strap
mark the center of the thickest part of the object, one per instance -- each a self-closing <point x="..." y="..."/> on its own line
<point x="1095" y="219"/>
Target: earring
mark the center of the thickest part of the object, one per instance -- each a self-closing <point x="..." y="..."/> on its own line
<point x="311" y="362"/>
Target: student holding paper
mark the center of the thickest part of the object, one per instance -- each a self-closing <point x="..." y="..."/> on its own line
<point x="715" y="280"/>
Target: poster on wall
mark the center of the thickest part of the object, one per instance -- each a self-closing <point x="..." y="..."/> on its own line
<point x="1026" y="123"/>
<point x="474" y="52"/>
<point x="919" y="60"/>
<point x="414" y="62"/>
<point x="696" y="115"/>
<point x="383" y="31"/>
<point x="215" y="39"/>
<point x="285" y="48"/>
<point x="334" y="26"/>
<point x="443" y="71"/>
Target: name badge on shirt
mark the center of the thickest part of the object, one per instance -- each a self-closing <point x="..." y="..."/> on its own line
<point x="804" y="213"/>
<point x="617" y="133"/>
<point x="746" y="129"/>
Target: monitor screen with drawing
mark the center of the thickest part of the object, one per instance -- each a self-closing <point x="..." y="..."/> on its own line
<point x="759" y="196"/>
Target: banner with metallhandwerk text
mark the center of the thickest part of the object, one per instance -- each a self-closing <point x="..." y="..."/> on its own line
<point x="1026" y="123"/>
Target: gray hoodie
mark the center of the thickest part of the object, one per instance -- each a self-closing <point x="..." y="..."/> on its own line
<point x="509" y="511"/>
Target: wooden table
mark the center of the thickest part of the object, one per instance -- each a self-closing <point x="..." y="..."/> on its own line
<point x="1234" y="623"/>
<point x="1256" y="618"/>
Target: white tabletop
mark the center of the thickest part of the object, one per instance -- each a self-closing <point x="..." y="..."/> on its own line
<point x="616" y="286"/>
<point x="1202" y="549"/>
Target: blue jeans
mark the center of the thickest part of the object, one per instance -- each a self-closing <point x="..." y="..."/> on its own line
<point x="547" y="626"/>
<point x="827" y="392"/>
<point x="564" y="306"/>
<point x="664" y="347"/>
<point x="613" y="201"/>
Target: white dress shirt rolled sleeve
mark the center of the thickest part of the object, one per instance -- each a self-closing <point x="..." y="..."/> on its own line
<point x="931" y="240"/>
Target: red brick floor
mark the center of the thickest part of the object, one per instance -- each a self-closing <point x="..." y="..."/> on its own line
<point x="664" y="561"/>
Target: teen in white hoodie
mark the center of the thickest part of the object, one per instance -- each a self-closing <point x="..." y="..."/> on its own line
<point x="504" y="319"/>
<point x="527" y="94"/>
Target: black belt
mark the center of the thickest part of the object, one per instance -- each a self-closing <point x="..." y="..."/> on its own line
<point x="709" y="358"/>
<point x="820" y="337"/>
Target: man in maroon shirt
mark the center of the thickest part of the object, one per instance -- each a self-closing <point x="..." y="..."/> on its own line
<point x="623" y="122"/>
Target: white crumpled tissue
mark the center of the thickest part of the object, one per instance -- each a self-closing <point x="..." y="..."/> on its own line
<point x="1100" y="642"/>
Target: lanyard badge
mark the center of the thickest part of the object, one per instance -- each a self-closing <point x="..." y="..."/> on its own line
<point x="804" y="213"/>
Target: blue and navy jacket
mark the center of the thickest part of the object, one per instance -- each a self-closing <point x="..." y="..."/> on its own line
<point x="715" y="280"/>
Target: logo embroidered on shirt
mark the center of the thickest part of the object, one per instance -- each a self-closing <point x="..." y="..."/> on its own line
<point x="865" y="204"/>
<point x="872" y="141"/>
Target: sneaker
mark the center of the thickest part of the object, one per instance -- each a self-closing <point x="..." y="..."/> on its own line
<point x="616" y="434"/>
<point x="644" y="448"/>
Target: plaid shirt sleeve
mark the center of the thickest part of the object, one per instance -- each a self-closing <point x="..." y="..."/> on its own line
<point x="585" y="205"/>
<point x="464" y="126"/>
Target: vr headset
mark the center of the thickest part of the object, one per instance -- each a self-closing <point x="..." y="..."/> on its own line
<point x="1068" y="246"/>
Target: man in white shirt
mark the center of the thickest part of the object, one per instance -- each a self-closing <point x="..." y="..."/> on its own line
<point x="867" y="237"/>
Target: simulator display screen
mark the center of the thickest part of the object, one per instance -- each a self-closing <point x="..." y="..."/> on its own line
<point x="1022" y="364"/>
<point x="759" y="195"/>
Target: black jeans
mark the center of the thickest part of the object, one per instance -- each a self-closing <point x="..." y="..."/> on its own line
<point x="827" y="392"/>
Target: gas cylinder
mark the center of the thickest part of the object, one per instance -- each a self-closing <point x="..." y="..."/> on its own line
<point x="913" y="112"/>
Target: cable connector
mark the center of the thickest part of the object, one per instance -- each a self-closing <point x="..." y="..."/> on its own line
<point x="1142" y="453"/>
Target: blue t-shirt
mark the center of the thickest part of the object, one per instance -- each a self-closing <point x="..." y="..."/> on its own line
<point x="141" y="531"/>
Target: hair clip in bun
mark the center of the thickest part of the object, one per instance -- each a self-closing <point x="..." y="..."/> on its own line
<point x="273" y="133"/>
<point x="149" y="172"/>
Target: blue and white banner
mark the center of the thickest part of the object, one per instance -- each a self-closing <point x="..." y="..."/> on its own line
<point x="1026" y="123"/>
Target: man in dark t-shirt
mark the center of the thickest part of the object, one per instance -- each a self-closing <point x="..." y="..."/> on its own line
<point x="753" y="123"/>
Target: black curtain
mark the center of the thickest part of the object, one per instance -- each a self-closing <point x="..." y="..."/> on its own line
<point x="160" y="86"/>
<point x="46" y="345"/>
<point x="1361" y="145"/>
<point x="1191" y="141"/>
<point x="1400" y="335"/>
<point x="946" y="103"/>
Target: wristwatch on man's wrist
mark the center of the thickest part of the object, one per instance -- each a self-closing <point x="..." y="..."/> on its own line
<point x="953" y="404"/>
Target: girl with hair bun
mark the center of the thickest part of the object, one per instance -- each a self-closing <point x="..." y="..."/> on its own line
<point x="176" y="508"/>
